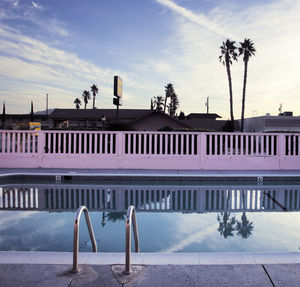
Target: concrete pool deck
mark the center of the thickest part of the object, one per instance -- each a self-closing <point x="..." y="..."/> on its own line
<point x="175" y="269"/>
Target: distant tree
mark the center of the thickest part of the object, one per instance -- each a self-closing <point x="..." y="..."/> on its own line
<point x="244" y="227"/>
<point x="169" y="89"/>
<point x="173" y="105"/>
<point x="151" y="105"/>
<point x="86" y="97"/>
<point x="181" y="115"/>
<point x="31" y="112"/>
<point x="227" y="127"/>
<point x="77" y="102"/>
<point x="94" y="90"/>
<point x="3" y="115"/>
<point x="226" y="224"/>
<point x="247" y="50"/>
<point x="227" y="55"/>
<point x="158" y="103"/>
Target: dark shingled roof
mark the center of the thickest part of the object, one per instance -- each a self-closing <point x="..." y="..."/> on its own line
<point x="128" y="114"/>
<point x="202" y="116"/>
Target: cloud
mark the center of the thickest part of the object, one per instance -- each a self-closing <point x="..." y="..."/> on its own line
<point x="198" y="19"/>
<point x="195" y="237"/>
<point x="30" y="69"/>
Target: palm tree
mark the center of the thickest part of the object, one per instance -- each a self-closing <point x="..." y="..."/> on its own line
<point x="247" y="50"/>
<point x="3" y="115"/>
<point x="173" y="105"/>
<point x="31" y="112"/>
<point x="86" y="97"/>
<point x="77" y="102"/>
<point x="158" y="102"/>
<point x="94" y="90"/>
<point x="244" y="228"/>
<point x="226" y="224"/>
<point x="169" y="89"/>
<point x="227" y="55"/>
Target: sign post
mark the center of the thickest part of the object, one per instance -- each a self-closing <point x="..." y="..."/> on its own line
<point x="118" y="93"/>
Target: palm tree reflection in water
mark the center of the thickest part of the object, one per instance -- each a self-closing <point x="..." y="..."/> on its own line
<point x="244" y="228"/>
<point x="112" y="217"/>
<point x="226" y="224"/>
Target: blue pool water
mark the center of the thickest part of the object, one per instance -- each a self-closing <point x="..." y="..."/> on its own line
<point x="171" y="218"/>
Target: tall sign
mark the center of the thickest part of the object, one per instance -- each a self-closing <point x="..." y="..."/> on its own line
<point x="118" y="93"/>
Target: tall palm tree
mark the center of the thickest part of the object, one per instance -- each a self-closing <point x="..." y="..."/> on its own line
<point x="169" y="89"/>
<point x="3" y="114"/>
<point x="94" y="90"/>
<point x="86" y="97"/>
<point x="77" y="102"/>
<point x="173" y="105"/>
<point x="227" y="55"/>
<point x="31" y="112"/>
<point x="247" y="50"/>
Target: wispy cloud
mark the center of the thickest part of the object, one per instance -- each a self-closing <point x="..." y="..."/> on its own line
<point x="198" y="19"/>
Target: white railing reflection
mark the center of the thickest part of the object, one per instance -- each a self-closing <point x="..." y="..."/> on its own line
<point x="150" y="198"/>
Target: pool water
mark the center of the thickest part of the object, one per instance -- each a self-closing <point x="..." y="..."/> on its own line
<point x="191" y="218"/>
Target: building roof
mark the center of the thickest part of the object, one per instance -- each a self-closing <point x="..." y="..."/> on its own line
<point x="128" y="114"/>
<point x="202" y="116"/>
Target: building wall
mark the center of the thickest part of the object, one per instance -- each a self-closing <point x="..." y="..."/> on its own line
<point x="272" y="124"/>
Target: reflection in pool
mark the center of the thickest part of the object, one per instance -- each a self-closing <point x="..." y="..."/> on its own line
<point x="192" y="218"/>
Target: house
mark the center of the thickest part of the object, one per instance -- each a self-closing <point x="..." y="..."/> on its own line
<point x="284" y="122"/>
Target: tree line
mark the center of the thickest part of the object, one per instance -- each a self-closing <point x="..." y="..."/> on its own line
<point x="160" y="103"/>
<point x="86" y="96"/>
<point x="230" y="53"/>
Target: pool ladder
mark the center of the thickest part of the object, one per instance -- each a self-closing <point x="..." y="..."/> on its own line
<point x="130" y="220"/>
<point x="76" y="235"/>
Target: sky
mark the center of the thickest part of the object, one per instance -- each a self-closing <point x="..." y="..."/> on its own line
<point x="62" y="47"/>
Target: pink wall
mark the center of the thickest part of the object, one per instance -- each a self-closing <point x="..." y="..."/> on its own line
<point x="149" y="150"/>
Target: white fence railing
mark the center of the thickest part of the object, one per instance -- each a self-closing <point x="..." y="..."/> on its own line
<point x="149" y="150"/>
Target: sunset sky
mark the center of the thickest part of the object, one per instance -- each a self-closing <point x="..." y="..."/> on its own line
<point x="62" y="47"/>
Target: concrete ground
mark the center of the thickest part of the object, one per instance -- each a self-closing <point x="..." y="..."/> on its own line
<point x="149" y="269"/>
<point x="151" y="275"/>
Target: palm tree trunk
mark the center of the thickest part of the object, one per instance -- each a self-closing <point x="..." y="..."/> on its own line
<point x="230" y="94"/>
<point x="94" y="96"/>
<point x="165" y="104"/>
<point x="244" y="94"/>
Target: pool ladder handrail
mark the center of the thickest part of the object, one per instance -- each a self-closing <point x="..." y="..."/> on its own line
<point x="130" y="217"/>
<point x="76" y="235"/>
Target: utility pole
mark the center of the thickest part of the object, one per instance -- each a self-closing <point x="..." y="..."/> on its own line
<point x="207" y="105"/>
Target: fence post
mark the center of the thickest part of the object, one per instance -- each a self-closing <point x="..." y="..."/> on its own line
<point x="281" y="149"/>
<point x="202" y="149"/>
<point x="41" y="147"/>
<point x="120" y="147"/>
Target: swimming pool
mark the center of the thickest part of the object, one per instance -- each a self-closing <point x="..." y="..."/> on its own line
<point x="171" y="218"/>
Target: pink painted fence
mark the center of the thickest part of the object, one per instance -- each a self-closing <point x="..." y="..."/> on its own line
<point x="149" y="150"/>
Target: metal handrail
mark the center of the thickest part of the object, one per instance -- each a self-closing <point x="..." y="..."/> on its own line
<point x="76" y="235"/>
<point x="130" y="216"/>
